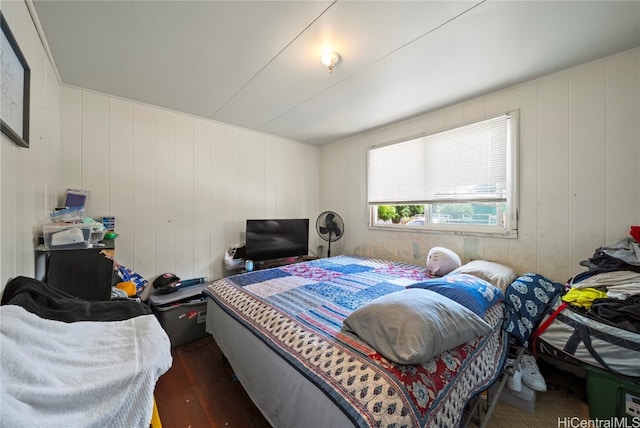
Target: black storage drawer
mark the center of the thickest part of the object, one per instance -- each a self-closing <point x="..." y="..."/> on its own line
<point x="84" y="273"/>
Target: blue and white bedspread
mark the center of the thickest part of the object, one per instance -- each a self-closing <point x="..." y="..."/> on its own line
<point x="298" y="311"/>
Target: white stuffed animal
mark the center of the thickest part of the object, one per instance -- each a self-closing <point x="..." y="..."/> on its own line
<point x="441" y="261"/>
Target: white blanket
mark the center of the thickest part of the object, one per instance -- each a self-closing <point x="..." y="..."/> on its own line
<point x="81" y="374"/>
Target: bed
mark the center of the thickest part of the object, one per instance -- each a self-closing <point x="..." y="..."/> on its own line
<point x="68" y="362"/>
<point x="283" y="332"/>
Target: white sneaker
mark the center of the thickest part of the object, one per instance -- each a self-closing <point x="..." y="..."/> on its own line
<point x="514" y="381"/>
<point x="531" y="375"/>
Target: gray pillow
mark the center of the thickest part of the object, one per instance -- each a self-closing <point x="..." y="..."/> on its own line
<point x="414" y="325"/>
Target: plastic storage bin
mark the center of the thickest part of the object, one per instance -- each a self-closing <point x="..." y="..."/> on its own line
<point x="66" y="236"/>
<point x="182" y="314"/>
<point x="612" y="396"/>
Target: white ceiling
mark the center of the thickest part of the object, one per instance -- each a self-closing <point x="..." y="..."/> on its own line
<point x="256" y="64"/>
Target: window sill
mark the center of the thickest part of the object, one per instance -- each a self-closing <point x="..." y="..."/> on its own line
<point x="443" y="230"/>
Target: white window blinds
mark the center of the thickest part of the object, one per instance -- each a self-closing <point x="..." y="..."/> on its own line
<point x="468" y="163"/>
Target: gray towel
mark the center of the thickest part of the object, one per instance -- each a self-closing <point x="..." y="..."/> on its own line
<point x="80" y="374"/>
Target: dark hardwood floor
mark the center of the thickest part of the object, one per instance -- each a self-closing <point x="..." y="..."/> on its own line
<point x="199" y="390"/>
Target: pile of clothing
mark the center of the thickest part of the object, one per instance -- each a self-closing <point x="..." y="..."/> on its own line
<point x="610" y="288"/>
<point x="594" y="318"/>
<point x="597" y="320"/>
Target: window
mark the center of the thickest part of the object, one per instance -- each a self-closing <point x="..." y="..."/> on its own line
<point x="461" y="180"/>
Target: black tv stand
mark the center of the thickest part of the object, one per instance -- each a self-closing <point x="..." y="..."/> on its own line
<point x="266" y="264"/>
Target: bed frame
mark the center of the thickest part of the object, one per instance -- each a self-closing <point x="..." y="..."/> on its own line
<point x="286" y="396"/>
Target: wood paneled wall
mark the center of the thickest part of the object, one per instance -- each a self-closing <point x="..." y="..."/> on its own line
<point x="29" y="177"/>
<point x="579" y="171"/>
<point x="180" y="187"/>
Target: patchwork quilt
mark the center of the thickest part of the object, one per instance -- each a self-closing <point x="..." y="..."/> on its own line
<point x="298" y="311"/>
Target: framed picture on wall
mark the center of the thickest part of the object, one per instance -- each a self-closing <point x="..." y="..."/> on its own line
<point x="15" y="78"/>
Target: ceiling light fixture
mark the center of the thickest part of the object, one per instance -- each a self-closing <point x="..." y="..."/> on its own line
<point x="330" y="59"/>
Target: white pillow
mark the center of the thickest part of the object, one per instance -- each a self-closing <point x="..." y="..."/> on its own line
<point x="441" y="261"/>
<point x="499" y="275"/>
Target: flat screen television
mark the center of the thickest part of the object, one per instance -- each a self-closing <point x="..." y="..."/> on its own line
<point x="277" y="238"/>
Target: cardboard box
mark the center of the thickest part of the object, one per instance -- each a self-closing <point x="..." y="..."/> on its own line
<point x="523" y="400"/>
<point x="182" y="314"/>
